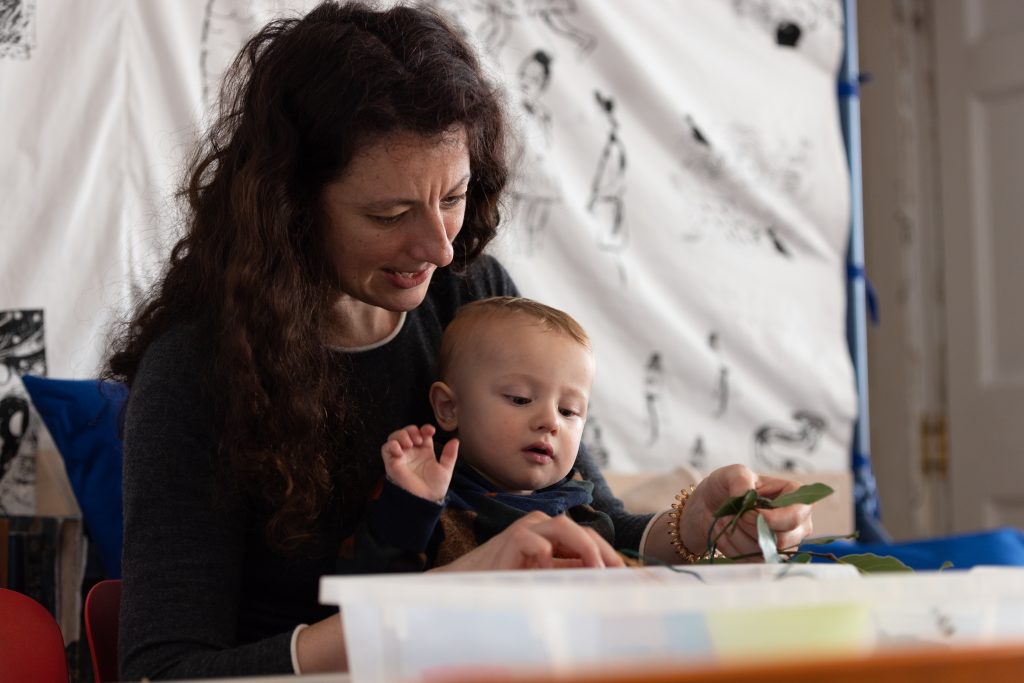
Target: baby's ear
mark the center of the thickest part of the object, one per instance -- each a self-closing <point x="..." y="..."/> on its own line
<point x="442" y="399"/>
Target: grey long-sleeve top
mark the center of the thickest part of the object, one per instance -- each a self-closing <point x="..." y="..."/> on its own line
<point x="203" y="595"/>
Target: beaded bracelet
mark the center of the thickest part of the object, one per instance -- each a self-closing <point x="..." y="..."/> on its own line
<point x="674" y="516"/>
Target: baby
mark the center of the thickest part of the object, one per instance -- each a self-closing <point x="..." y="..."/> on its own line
<point x="515" y="379"/>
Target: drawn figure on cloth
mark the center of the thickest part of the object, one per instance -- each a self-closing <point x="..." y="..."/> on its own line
<point x="812" y="26"/>
<point x="789" y="448"/>
<point x="609" y="183"/>
<point x="654" y="375"/>
<point x="496" y="27"/>
<point x="558" y="16"/>
<point x="698" y="454"/>
<point x="721" y="391"/>
<point x="535" y="190"/>
<point x="593" y="437"/>
<point x="226" y="25"/>
<point x="723" y="184"/>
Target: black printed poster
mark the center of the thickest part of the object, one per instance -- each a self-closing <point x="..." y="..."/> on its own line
<point x="22" y="351"/>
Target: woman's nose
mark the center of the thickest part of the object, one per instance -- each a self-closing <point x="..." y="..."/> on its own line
<point x="432" y="243"/>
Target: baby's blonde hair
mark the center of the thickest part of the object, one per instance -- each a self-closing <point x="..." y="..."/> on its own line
<point x="474" y="313"/>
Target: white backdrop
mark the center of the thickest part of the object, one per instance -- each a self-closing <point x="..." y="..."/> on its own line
<point x="682" y="191"/>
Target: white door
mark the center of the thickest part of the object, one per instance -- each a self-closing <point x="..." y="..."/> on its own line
<point x="980" y="85"/>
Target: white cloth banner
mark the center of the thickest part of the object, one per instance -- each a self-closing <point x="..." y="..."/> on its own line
<point x="682" y="190"/>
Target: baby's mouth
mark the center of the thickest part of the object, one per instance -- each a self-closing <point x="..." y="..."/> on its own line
<point x="541" y="449"/>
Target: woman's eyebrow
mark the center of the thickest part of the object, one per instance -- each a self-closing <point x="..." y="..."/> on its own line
<point x="389" y="203"/>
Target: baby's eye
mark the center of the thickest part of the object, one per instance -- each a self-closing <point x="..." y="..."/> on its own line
<point x="518" y="400"/>
<point x="568" y="412"/>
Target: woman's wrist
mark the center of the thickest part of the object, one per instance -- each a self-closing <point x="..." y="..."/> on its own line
<point x="687" y="548"/>
<point x="320" y="648"/>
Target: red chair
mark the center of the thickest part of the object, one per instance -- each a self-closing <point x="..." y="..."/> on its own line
<point x="31" y="644"/>
<point x="102" y="614"/>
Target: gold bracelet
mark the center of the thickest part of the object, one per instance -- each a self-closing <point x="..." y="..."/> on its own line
<point x="674" y="516"/>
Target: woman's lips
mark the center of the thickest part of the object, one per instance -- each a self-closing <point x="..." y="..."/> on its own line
<point x="407" y="280"/>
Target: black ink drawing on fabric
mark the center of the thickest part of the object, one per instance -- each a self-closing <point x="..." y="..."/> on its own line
<point x="719" y="181"/>
<point x="721" y="391"/>
<point x="698" y="455"/>
<point x="654" y="375"/>
<point x="534" y="75"/>
<point x="789" y="448"/>
<point x="609" y="183"/>
<point x="787" y="22"/>
<point x="558" y="15"/>
<point x="594" y="440"/>
<point x="775" y="161"/>
<point x="226" y="26"/>
<point x="535" y="190"/>
<point x="496" y="27"/>
<point x="22" y="351"/>
<point x="17" y="28"/>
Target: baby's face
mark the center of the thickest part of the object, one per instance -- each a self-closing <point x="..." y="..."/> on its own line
<point x="522" y="394"/>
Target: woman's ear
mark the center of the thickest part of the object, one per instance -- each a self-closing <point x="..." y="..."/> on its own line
<point x="442" y="400"/>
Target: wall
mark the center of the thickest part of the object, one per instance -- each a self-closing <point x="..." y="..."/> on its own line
<point x="904" y="256"/>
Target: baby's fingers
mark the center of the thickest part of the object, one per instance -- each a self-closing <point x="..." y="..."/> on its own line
<point x="449" y="454"/>
<point x="392" y="451"/>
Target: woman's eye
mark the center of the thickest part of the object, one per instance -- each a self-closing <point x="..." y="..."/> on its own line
<point x="518" y="400"/>
<point x="387" y="220"/>
<point x="453" y="201"/>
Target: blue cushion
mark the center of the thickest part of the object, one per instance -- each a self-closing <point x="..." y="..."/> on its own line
<point x="999" y="547"/>
<point x="82" y="416"/>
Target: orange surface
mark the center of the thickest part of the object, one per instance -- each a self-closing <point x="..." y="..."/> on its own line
<point x="996" y="664"/>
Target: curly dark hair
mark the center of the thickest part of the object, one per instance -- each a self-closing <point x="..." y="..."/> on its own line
<point x="300" y="100"/>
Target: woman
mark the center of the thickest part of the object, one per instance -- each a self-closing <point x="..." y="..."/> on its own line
<point x="337" y="215"/>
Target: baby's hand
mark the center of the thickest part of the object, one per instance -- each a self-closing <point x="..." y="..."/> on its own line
<point x="410" y="462"/>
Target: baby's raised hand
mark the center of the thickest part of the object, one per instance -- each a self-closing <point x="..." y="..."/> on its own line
<point x="410" y="462"/>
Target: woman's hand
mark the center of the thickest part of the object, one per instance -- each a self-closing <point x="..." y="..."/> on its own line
<point x="538" y="541"/>
<point x="791" y="524"/>
<point x="410" y="462"/>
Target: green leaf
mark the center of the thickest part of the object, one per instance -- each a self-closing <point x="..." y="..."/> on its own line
<point x="822" y="540"/>
<point x="736" y="505"/>
<point x="869" y="563"/>
<point x="800" y="558"/>
<point x="811" y="493"/>
<point x="766" y="539"/>
<point x="946" y="565"/>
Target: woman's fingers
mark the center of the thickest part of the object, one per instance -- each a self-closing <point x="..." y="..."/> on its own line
<point x="608" y="554"/>
<point x="791" y="524"/>
<point x="570" y="540"/>
<point x="773" y="487"/>
<point x="537" y="541"/>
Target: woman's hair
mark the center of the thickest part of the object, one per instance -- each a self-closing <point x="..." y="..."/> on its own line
<point x="300" y="100"/>
<point x="475" y="316"/>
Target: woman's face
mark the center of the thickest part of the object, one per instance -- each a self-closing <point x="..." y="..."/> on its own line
<point x="392" y="216"/>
